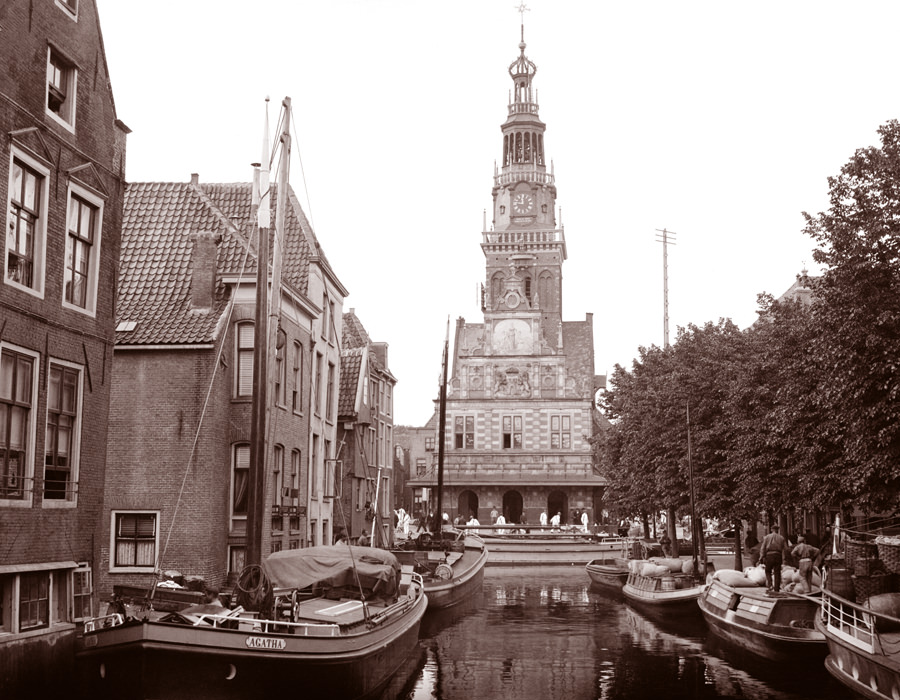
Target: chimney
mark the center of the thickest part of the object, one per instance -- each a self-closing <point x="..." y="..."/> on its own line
<point x="203" y="269"/>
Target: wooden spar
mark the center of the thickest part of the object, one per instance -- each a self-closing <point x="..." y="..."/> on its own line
<point x="256" y="479"/>
<point x="442" y="426"/>
<point x="695" y="529"/>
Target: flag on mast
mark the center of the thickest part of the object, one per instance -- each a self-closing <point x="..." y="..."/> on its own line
<point x="264" y="214"/>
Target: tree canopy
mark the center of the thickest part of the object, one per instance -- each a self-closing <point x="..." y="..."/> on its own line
<point x="801" y="409"/>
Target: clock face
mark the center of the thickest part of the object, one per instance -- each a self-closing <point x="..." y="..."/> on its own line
<point x="522" y="203"/>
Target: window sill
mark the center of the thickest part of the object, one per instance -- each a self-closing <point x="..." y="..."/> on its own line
<point x="54" y="628"/>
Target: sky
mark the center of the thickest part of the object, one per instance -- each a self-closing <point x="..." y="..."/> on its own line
<point x="719" y="121"/>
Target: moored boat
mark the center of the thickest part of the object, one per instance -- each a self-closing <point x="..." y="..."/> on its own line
<point x="341" y="621"/>
<point x="451" y="566"/>
<point x="861" y="623"/>
<point x="658" y="585"/>
<point x="609" y="572"/>
<point x="534" y="545"/>
<point x="775" y="626"/>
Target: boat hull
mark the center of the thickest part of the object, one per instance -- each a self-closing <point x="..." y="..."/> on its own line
<point x="548" y="550"/>
<point x="774" y="628"/>
<point x="860" y="656"/>
<point x="647" y="593"/>
<point x="143" y="660"/>
<point x="468" y="576"/>
<point x="608" y="573"/>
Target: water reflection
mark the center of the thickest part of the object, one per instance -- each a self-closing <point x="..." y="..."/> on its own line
<point x="546" y="633"/>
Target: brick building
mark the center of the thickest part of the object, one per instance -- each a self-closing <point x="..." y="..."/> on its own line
<point x="179" y="450"/>
<point x="365" y="435"/>
<point x="520" y="400"/>
<point x="63" y="161"/>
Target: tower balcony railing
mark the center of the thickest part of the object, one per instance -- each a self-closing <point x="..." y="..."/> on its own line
<point x="526" y="172"/>
<point x="523" y="237"/>
<point x="523" y="108"/>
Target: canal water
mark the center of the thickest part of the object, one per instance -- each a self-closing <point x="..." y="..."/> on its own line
<point x="545" y="633"/>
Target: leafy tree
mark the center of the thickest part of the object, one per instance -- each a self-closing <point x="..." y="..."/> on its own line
<point x="858" y="318"/>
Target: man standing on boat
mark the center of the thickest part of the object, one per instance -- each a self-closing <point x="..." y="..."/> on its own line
<point x="805" y="554"/>
<point x="772" y="552"/>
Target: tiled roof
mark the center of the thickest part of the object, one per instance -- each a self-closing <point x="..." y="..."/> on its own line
<point x="354" y="334"/>
<point x="155" y="268"/>
<point x="351" y="364"/>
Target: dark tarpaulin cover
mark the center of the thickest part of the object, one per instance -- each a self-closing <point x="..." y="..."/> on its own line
<point x="333" y="567"/>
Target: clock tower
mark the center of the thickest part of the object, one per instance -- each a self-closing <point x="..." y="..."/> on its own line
<point x="524" y="249"/>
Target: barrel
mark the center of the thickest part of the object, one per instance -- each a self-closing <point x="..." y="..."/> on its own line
<point x="840" y="582"/>
<point x="667" y="583"/>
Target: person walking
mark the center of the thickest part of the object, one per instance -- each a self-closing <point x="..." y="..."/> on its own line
<point x="805" y="553"/>
<point x="554" y="521"/>
<point x="543" y="517"/>
<point x="772" y="552"/>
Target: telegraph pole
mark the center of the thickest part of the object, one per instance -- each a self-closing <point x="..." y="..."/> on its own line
<point x="666" y="238"/>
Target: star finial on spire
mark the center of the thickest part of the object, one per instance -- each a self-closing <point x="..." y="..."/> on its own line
<point x="522" y="9"/>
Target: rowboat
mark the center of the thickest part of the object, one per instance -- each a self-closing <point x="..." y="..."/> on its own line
<point x="451" y="566"/>
<point x="609" y="572"/>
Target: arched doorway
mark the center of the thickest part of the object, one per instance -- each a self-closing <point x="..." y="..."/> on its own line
<point x="467" y="504"/>
<point x="558" y="502"/>
<point x="512" y="506"/>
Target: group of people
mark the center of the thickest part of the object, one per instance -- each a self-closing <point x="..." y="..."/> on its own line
<point x="775" y="550"/>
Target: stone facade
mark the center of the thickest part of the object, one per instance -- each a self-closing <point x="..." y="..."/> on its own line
<point x="520" y="398"/>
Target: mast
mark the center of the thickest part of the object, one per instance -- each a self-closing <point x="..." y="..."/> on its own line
<point x="695" y="529"/>
<point x="442" y="425"/>
<point x="256" y="487"/>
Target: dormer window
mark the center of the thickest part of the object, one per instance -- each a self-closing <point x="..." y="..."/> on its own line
<point x="61" y="83"/>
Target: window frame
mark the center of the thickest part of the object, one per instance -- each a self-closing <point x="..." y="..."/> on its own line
<point x="508" y="438"/>
<point x="68" y="70"/>
<point x="82" y="595"/>
<point x="560" y="435"/>
<point x="93" y="266"/>
<point x="27" y="474"/>
<point x="114" y="566"/>
<point x="243" y="376"/>
<point x="70" y="500"/>
<point x="464" y="439"/>
<point x="238" y="519"/>
<point x="39" y="235"/>
<point x="297" y="379"/>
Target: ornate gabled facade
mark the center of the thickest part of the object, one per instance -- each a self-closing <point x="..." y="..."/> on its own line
<point x="520" y="397"/>
<point x="365" y="435"/>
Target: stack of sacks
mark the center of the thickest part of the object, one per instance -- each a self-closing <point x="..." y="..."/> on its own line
<point x="651" y="569"/>
<point x="757" y="574"/>
<point x="735" y="579"/>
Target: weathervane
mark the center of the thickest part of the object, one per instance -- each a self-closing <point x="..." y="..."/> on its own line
<point x="522" y="9"/>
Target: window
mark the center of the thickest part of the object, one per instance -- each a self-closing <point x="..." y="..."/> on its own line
<point x="61" y="443"/>
<point x="240" y="483"/>
<point x="318" y="387"/>
<point x="61" y="84"/>
<point x="464" y="432"/>
<point x="34" y="600"/>
<point x="331" y="333"/>
<point x="421" y="466"/>
<point x="297" y="379"/>
<point x="134" y="541"/>
<point x="560" y="432"/>
<point x="512" y="432"/>
<point x="26" y="225"/>
<point x="429" y="444"/>
<point x="82" y="588"/>
<point x="389" y="399"/>
<point x="314" y="468"/>
<point x="16" y="400"/>
<point x="325" y="308"/>
<point x="236" y="558"/>
<point x="82" y="251"/>
<point x="244" y="364"/>
<point x="278" y="474"/>
<point x="329" y="399"/>
<point x="280" y="377"/>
